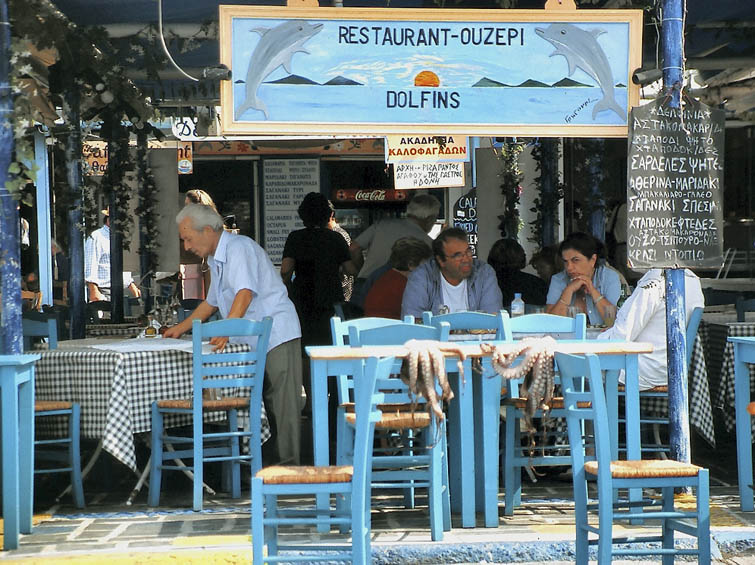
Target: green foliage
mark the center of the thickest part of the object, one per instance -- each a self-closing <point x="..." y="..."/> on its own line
<point x="546" y="203"/>
<point x="511" y="189"/>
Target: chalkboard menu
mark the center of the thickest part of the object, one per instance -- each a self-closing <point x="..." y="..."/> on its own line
<point x="465" y="216"/>
<point x="285" y="182"/>
<point x="675" y="184"/>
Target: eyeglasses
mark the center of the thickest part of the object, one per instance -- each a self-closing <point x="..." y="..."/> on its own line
<point x="461" y="254"/>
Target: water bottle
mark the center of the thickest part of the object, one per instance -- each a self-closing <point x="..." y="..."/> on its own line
<point x="623" y="297"/>
<point x="517" y="305"/>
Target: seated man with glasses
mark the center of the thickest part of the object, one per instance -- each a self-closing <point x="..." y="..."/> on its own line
<point x="454" y="282"/>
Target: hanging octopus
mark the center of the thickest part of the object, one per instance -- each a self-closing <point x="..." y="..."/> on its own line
<point x="536" y="368"/>
<point x="423" y="364"/>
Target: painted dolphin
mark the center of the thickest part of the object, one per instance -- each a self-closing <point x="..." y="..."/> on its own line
<point x="581" y="49"/>
<point x="276" y="47"/>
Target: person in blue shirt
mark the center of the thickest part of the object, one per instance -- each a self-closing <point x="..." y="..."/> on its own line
<point x="587" y="283"/>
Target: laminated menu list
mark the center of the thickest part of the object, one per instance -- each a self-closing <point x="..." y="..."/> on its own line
<point x="675" y="176"/>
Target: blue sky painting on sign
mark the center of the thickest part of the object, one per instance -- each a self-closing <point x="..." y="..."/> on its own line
<point x="362" y="72"/>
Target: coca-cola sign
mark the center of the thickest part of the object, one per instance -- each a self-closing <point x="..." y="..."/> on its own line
<point x="361" y="195"/>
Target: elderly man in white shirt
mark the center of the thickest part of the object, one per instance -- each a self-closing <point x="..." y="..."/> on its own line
<point x="643" y="318"/>
<point x="245" y="284"/>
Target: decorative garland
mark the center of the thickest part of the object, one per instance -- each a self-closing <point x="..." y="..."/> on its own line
<point x="147" y="207"/>
<point x="547" y="201"/>
<point x="511" y="188"/>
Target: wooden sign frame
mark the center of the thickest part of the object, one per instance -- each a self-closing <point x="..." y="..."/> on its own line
<point x="375" y="71"/>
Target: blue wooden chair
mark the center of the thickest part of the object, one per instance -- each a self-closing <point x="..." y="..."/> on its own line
<point x="219" y="370"/>
<point x="470" y="321"/>
<point x="651" y="417"/>
<point x="349" y="483"/>
<point x="63" y="454"/>
<point x="420" y="460"/>
<point x="615" y="476"/>
<point x="551" y="449"/>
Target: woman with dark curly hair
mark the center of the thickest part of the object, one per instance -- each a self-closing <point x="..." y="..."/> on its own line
<point x="587" y="282"/>
<point x="508" y="259"/>
<point x="312" y="259"/>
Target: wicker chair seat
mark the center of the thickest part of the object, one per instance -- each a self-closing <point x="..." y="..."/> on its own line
<point x="646" y="468"/>
<point x="50" y="405"/>
<point x="397" y="420"/>
<point x="388" y="407"/>
<point x="230" y="403"/>
<point x="656" y="389"/>
<point x="557" y="403"/>
<point x="284" y="475"/>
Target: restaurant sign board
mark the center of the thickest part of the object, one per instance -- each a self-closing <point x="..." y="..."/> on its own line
<point x="378" y="195"/>
<point x="675" y="182"/>
<point x="379" y="71"/>
<point x="437" y="148"/>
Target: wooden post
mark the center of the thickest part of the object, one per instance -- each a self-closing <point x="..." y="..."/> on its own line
<point x="115" y="178"/>
<point x="11" y="341"/>
<point x="549" y="177"/>
<point x="146" y="273"/>
<point x="598" y="204"/>
<point x="676" y="319"/>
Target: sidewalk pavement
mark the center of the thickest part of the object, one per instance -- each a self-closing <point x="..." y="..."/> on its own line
<point x="542" y="529"/>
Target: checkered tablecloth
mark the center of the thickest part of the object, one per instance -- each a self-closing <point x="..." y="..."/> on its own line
<point x="115" y="330"/>
<point x="725" y="393"/>
<point x="700" y="409"/>
<point x="116" y="391"/>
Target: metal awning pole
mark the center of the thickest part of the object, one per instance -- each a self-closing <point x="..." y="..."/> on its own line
<point x="672" y="30"/>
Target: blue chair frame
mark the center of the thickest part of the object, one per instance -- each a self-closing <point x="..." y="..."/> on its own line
<point x="422" y="461"/>
<point x="693" y="322"/>
<point x="214" y="371"/>
<point x="63" y="454"/>
<point x="614" y="477"/>
<point x="514" y="456"/>
<point x="350" y="485"/>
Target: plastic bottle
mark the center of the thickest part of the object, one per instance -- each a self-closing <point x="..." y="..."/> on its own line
<point x="517" y="305"/>
<point x="623" y="296"/>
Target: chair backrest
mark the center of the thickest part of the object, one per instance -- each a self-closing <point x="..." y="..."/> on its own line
<point x="693" y="322"/>
<point x="216" y="370"/>
<point x="582" y="405"/>
<point x="366" y="398"/>
<point x="339" y="328"/>
<point x="469" y="321"/>
<point x="744" y="305"/>
<point x="398" y="333"/>
<point x="539" y="324"/>
<point x="38" y="328"/>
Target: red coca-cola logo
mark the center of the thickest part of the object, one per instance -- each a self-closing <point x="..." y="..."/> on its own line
<point x="372" y="195"/>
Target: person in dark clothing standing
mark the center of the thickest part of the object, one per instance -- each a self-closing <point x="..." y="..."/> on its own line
<point x="508" y="259"/>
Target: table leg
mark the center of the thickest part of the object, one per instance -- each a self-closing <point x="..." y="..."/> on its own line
<point x="744" y="434"/>
<point x="26" y="452"/>
<point x="320" y="446"/>
<point x="10" y="423"/>
<point x="461" y="446"/>
<point x="632" y="416"/>
<point x="487" y="391"/>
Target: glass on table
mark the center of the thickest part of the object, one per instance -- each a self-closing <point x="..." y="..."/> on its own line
<point x="572" y="311"/>
<point x="609" y="314"/>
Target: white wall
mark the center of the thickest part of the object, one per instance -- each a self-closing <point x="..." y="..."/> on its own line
<point x="163" y="164"/>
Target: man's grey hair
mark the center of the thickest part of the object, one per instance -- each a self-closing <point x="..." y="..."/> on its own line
<point x="423" y="206"/>
<point x="56" y="245"/>
<point x="201" y="216"/>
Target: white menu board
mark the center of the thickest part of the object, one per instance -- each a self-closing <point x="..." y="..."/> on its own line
<point x="285" y="182"/>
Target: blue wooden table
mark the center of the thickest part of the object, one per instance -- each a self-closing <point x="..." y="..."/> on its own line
<point x="744" y="354"/>
<point x="17" y="409"/>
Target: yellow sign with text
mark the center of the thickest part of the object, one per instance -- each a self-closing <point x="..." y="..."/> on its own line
<point x="436" y="148"/>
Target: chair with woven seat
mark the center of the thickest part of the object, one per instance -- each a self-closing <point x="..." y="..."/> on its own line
<point x="613" y="477"/>
<point x="349" y="483"/>
<point x="551" y="449"/>
<point x="659" y="394"/>
<point x="420" y="459"/>
<point x="59" y="454"/>
<point x="241" y="374"/>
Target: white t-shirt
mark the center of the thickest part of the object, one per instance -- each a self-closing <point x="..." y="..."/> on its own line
<point x="239" y="263"/>
<point x="455" y="297"/>
<point x="643" y="318"/>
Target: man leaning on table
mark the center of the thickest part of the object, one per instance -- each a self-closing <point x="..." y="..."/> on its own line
<point x="643" y="318"/>
<point x="454" y="281"/>
<point x="245" y="284"/>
